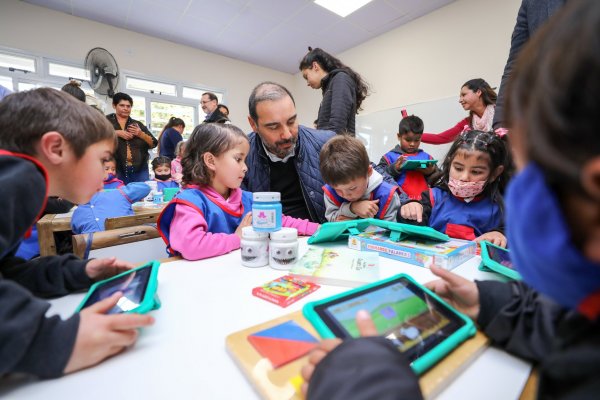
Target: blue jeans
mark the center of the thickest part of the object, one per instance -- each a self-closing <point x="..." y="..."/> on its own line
<point x="130" y="175"/>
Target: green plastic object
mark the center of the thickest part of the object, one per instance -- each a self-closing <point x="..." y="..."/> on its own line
<point x="459" y="329"/>
<point x="416" y="164"/>
<point x="335" y="231"/>
<point x="493" y="256"/>
<point x="124" y="282"/>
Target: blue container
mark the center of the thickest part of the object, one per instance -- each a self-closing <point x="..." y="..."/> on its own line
<point x="157" y="198"/>
<point x="266" y="211"/>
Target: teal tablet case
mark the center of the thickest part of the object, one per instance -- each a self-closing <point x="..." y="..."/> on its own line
<point x="334" y="231"/>
<point x="488" y="264"/>
<point x="415" y="164"/>
<point x="150" y="301"/>
<point x="427" y="360"/>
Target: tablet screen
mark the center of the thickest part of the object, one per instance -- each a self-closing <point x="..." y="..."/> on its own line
<point x="499" y="255"/>
<point x="132" y="285"/>
<point x="414" y="321"/>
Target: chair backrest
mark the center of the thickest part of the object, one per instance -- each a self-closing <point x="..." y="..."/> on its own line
<point x="131" y="220"/>
<point x="135" y="244"/>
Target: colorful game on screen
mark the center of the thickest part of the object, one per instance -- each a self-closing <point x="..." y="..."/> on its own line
<point x="398" y="314"/>
<point x="501" y="256"/>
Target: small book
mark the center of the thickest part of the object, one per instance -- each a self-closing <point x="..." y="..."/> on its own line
<point x="337" y="266"/>
<point x="285" y="290"/>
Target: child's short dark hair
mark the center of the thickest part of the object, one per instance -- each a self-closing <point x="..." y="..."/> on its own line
<point x="121" y="96"/>
<point x="26" y="116"/>
<point x="161" y="160"/>
<point x="412" y="123"/>
<point x="207" y="138"/>
<point x="342" y="159"/>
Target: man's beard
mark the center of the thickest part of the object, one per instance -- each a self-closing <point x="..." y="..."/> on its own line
<point x="282" y="153"/>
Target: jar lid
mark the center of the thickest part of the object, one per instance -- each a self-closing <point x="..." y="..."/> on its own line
<point x="249" y="233"/>
<point x="285" y="234"/>
<point x="266" y="196"/>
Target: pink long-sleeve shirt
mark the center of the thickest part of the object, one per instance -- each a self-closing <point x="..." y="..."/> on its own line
<point x="188" y="234"/>
<point x="447" y="136"/>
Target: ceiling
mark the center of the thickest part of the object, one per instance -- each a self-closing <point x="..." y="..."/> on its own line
<point x="271" y="33"/>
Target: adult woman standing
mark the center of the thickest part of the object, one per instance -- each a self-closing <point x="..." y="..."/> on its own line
<point x="477" y="97"/>
<point x="170" y="136"/>
<point x="134" y="141"/>
<point x="343" y="90"/>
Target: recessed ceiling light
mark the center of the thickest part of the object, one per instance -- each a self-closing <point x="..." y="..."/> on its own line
<point x="342" y="7"/>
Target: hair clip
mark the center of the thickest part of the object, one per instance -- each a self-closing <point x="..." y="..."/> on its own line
<point x="501" y="132"/>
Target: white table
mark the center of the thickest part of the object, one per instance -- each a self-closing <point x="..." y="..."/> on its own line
<point x="183" y="355"/>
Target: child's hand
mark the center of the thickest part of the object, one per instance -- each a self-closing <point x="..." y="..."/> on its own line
<point x="494" y="237"/>
<point x="246" y="221"/>
<point x="430" y="169"/>
<point x="399" y="162"/>
<point x="102" y="268"/>
<point x="366" y="327"/>
<point x="412" y="211"/>
<point x="101" y="336"/>
<point x="461" y="293"/>
<point x="365" y="208"/>
<point x="343" y="218"/>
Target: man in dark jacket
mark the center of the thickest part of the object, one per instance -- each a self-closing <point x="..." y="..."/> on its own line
<point x="283" y="156"/>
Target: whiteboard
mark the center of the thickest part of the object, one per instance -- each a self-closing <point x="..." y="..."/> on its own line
<point x="378" y="130"/>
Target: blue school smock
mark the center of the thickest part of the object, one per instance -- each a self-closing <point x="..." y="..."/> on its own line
<point x="462" y="220"/>
<point x="384" y="193"/>
<point x="161" y="185"/>
<point x="90" y="217"/>
<point x="218" y="219"/>
<point x="113" y="183"/>
<point x="413" y="183"/>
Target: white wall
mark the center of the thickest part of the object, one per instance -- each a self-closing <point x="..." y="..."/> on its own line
<point x="51" y="33"/>
<point x="429" y="58"/>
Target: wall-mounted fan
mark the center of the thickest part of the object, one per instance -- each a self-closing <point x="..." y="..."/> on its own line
<point x="104" y="71"/>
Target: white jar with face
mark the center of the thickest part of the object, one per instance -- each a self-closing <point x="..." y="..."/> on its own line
<point x="254" y="247"/>
<point x="283" y="249"/>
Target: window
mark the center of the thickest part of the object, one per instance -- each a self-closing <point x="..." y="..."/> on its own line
<point x="17" y="62"/>
<point x="138" y="111"/>
<point x="151" y="86"/>
<point x="7" y="82"/>
<point x="67" y="71"/>
<point x="28" y="86"/>
<point x="161" y="112"/>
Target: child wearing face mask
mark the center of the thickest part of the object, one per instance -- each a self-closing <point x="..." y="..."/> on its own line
<point x="162" y="173"/>
<point x="467" y="204"/>
<point x="110" y="174"/>
<point x="552" y="317"/>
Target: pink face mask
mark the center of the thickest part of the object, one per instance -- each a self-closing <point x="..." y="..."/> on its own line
<point x="465" y="189"/>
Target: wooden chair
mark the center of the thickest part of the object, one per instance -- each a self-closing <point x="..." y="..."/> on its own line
<point x="135" y="244"/>
<point x="131" y="220"/>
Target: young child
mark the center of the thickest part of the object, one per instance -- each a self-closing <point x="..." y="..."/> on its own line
<point x="412" y="182"/>
<point x="353" y="188"/>
<point x="176" y="168"/>
<point x="468" y="203"/>
<point x="553" y="221"/>
<point x="110" y="174"/>
<point x="90" y="217"/>
<point x="162" y="173"/>
<point x="53" y="144"/>
<point x="206" y="218"/>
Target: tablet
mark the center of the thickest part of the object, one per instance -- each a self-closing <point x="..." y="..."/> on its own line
<point x="333" y="231"/>
<point x="497" y="259"/>
<point x="413" y="318"/>
<point x="137" y="285"/>
<point x="416" y="164"/>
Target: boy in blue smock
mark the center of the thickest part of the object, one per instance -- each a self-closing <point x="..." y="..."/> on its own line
<point x="354" y="189"/>
<point x="412" y="182"/>
<point x="90" y="217"/>
<point x="110" y="174"/>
